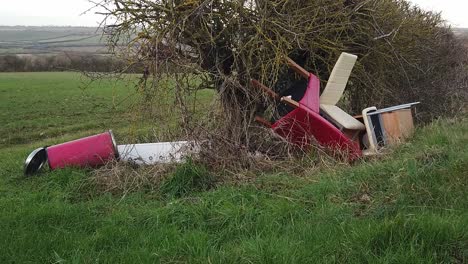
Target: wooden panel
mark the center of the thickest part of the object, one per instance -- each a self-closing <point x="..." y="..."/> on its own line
<point x="398" y="125"/>
<point x="392" y="127"/>
<point x="405" y="118"/>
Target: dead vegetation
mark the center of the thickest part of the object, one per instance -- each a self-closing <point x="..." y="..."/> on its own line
<point x="405" y="54"/>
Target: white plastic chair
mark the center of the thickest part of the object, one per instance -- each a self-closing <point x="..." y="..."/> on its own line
<point x="334" y="90"/>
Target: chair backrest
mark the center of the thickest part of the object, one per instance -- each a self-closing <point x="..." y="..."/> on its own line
<point x="338" y="79"/>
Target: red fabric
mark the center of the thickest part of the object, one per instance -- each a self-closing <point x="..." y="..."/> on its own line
<point x="311" y="98"/>
<point x="302" y="125"/>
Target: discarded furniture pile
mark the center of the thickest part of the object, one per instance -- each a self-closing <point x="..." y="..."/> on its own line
<point x="313" y="119"/>
<point x="97" y="150"/>
<point x="317" y="118"/>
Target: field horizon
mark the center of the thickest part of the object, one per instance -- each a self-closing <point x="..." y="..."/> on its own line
<point x="48" y="40"/>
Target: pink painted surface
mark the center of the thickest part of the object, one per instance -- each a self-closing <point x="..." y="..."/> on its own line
<point x="302" y="126"/>
<point x="86" y="152"/>
<point x="311" y="98"/>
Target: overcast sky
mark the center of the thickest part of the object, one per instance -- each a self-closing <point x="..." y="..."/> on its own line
<point x="68" y="12"/>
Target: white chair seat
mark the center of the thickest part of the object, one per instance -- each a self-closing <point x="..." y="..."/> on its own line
<point x="342" y="118"/>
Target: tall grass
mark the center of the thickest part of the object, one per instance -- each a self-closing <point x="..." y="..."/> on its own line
<point x="409" y="207"/>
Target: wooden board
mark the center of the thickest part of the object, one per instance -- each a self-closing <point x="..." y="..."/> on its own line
<point x="405" y="118"/>
<point x="398" y="125"/>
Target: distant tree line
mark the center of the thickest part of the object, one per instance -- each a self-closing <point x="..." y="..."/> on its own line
<point x="61" y="62"/>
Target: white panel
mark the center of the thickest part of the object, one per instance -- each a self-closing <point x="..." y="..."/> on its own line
<point x="152" y="153"/>
<point x="338" y="79"/>
<point x="342" y="118"/>
<point x="373" y="145"/>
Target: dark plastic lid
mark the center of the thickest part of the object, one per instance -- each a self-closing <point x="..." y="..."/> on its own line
<point x="35" y="161"/>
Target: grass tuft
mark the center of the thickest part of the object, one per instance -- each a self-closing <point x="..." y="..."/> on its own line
<point x="188" y="178"/>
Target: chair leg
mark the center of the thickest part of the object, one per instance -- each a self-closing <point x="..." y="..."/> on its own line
<point x="262" y="121"/>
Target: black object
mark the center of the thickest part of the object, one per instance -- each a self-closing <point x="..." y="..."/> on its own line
<point x="378" y="129"/>
<point x="35" y="161"/>
<point x="296" y="90"/>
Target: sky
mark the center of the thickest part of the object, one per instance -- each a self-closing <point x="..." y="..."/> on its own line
<point x="454" y="11"/>
<point x="47" y="13"/>
<point x="69" y="12"/>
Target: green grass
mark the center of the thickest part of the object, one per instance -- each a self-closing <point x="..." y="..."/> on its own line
<point x="33" y="34"/>
<point x="409" y="207"/>
<point x="54" y="106"/>
<point x="38" y="106"/>
<point x="40" y="40"/>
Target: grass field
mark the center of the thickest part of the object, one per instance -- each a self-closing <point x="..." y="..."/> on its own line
<point x="38" y="106"/>
<point x="54" y="40"/>
<point x="408" y="207"/>
<point x="50" y="40"/>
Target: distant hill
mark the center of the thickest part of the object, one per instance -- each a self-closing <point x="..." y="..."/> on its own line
<point x="50" y="40"/>
<point x="461" y="31"/>
<point x="25" y="40"/>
